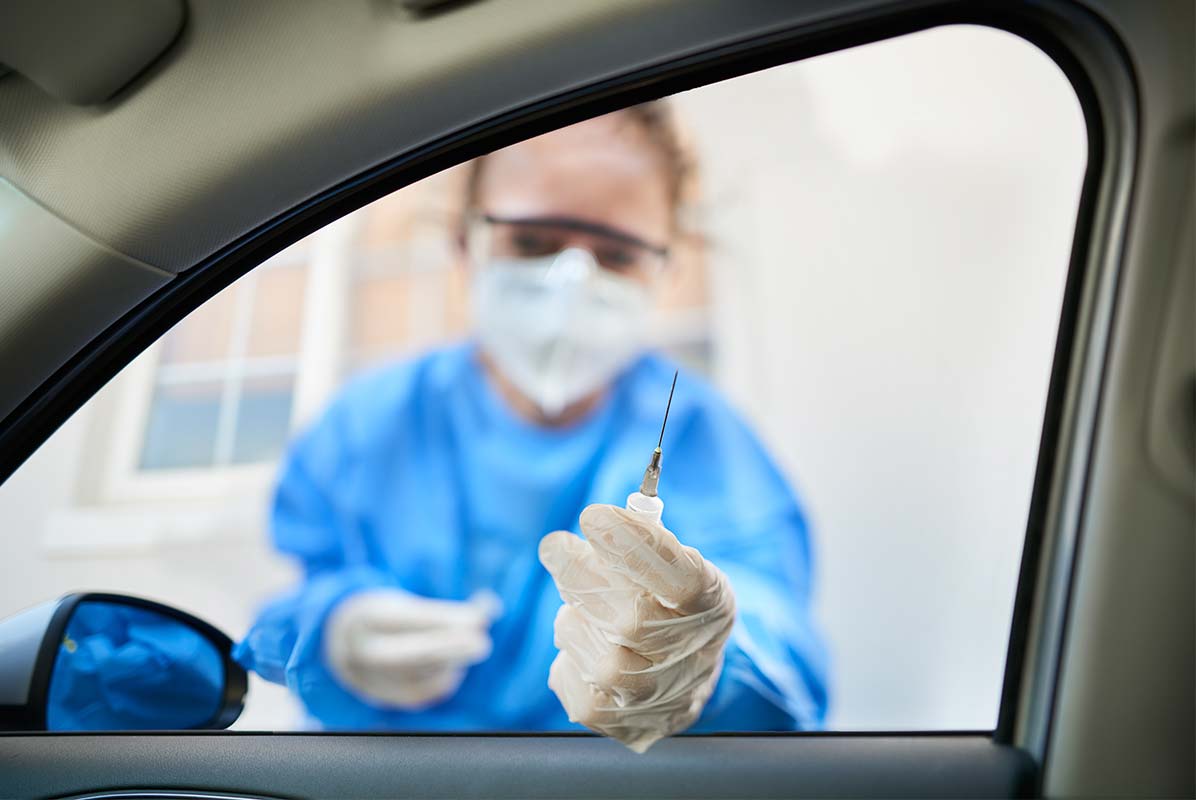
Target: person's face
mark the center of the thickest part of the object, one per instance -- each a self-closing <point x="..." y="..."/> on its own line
<point x="604" y="172"/>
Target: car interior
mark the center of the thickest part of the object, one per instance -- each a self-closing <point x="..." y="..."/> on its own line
<point x="160" y="155"/>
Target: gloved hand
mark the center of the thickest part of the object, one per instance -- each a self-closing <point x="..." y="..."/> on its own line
<point x="642" y="631"/>
<point x="398" y="649"/>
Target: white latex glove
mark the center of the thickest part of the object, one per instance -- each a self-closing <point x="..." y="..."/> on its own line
<point x="642" y="631"/>
<point x="398" y="649"/>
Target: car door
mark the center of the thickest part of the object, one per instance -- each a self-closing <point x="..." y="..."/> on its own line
<point x="1097" y="695"/>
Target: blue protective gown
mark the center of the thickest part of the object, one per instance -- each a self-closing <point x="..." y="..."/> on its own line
<point x="420" y="477"/>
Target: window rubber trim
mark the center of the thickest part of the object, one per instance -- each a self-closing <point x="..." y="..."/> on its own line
<point x="1080" y="43"/>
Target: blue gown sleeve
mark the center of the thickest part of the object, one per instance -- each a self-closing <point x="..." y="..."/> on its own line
<point x="736" y="507"/>
<point x="311" y="523"/>
<point x="774" y="668"/>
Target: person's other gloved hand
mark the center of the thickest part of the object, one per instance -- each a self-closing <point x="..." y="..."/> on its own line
<point x="397" y="649"/>
<point x="642" y="631"/>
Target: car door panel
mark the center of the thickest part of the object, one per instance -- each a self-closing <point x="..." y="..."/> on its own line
<point x="365" y="766"/>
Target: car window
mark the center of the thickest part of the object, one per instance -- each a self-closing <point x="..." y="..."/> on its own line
<point x="348" y="459"/>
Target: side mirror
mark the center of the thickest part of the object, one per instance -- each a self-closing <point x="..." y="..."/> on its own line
<point x="94" y="661"/>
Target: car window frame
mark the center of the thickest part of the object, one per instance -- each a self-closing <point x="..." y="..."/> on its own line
<point x="1082" y="45"/>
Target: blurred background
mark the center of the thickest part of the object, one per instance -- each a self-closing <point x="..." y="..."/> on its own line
<point x="880" y="242"/>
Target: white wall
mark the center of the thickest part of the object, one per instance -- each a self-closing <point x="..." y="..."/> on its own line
<point x="890" y="231"/>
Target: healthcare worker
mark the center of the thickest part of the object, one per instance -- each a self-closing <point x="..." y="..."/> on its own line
<point x="418" y="503"/>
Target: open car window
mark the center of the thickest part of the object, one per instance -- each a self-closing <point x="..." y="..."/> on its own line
<point x="856" y="263"/>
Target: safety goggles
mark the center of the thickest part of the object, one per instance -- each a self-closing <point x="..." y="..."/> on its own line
<point x="493" y="237"/>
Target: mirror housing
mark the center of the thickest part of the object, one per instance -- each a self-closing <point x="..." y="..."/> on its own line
<point x="32" y="640"/>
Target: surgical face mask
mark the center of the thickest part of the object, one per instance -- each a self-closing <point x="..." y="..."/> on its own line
<point x="558" y="327"/>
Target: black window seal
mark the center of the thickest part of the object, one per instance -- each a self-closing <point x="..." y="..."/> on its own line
<point x="1084" y="47"/>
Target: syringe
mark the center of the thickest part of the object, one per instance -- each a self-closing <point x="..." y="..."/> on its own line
<point x="645" y="501"/>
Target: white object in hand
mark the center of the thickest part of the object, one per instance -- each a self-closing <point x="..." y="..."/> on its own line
<point x="400" y="650"/>
<point x="643" y="628"/>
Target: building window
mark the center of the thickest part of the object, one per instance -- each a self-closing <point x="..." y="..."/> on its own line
<point x="223" y="388"/>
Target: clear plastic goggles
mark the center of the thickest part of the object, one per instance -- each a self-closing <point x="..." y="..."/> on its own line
<point x="492" y="237"/>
